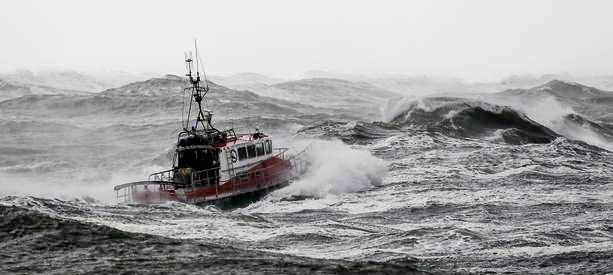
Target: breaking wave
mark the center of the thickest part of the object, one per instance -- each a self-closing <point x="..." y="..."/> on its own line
<point x="578" y="127"/>
<point x="336" y="168"/>
<point x="563" y="118"/>
<point x="519" y="123"/>
<point x="473" y="119"/>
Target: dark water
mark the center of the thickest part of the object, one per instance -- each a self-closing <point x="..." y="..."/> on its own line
<point x="446" y="186"/>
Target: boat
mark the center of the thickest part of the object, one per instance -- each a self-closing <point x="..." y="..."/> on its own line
<point x="212" y="166"/>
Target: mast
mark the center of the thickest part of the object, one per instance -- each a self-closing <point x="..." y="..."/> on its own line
<point x="198" y="92"/>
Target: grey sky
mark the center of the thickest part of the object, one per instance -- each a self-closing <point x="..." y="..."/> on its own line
<point x="471" y="39"/>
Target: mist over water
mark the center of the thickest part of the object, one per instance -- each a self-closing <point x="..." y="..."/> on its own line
<point x="553" y="114"/>
<point x="516" y="181"/>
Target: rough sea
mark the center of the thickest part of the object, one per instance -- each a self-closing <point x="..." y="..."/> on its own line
<point x="515" y="182"/>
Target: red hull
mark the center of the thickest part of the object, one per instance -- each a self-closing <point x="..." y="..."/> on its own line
<point x="270" y="174"/>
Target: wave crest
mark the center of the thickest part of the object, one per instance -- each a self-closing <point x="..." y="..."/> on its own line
<point x="473" y="119"/>
<point x="336" y="168"/>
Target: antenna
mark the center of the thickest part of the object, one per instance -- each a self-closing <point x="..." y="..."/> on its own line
<point x="188" y="63"/>
<point x="197" y="63"/>
<point x="206" y="82"/>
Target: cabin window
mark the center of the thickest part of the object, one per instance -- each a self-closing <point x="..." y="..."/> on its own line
<point x="187" y="158"/>
<point x="268" y="147"/>
<point x="259" y="149"/>
<point x="251" y="151"/>
<point x="198" y="159"/>
<point x="242" y="153"/>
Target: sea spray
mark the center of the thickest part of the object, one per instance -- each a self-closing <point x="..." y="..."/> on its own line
<point x="335" y="168"/>
<point x="395" y="107"/>
<point x="553" y="114"/>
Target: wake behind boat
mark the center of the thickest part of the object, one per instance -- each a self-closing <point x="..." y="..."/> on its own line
<point x="213" y="166"/>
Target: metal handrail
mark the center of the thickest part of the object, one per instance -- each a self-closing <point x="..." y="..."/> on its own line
<point x="161" y="176"/>
<point x="126" y="192"/>
<point x="197" y="179"/>
<point x="143" y="183"/>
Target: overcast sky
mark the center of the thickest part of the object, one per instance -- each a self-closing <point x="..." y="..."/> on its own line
<point x="470" y="39"/>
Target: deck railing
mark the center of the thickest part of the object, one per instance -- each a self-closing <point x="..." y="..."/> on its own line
<point x="162" y="176"/>
<point x="153" y="191"/>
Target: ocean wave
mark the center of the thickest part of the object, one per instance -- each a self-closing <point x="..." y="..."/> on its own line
<point x="467" y="118"/>
<point x="69" y="246"/>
